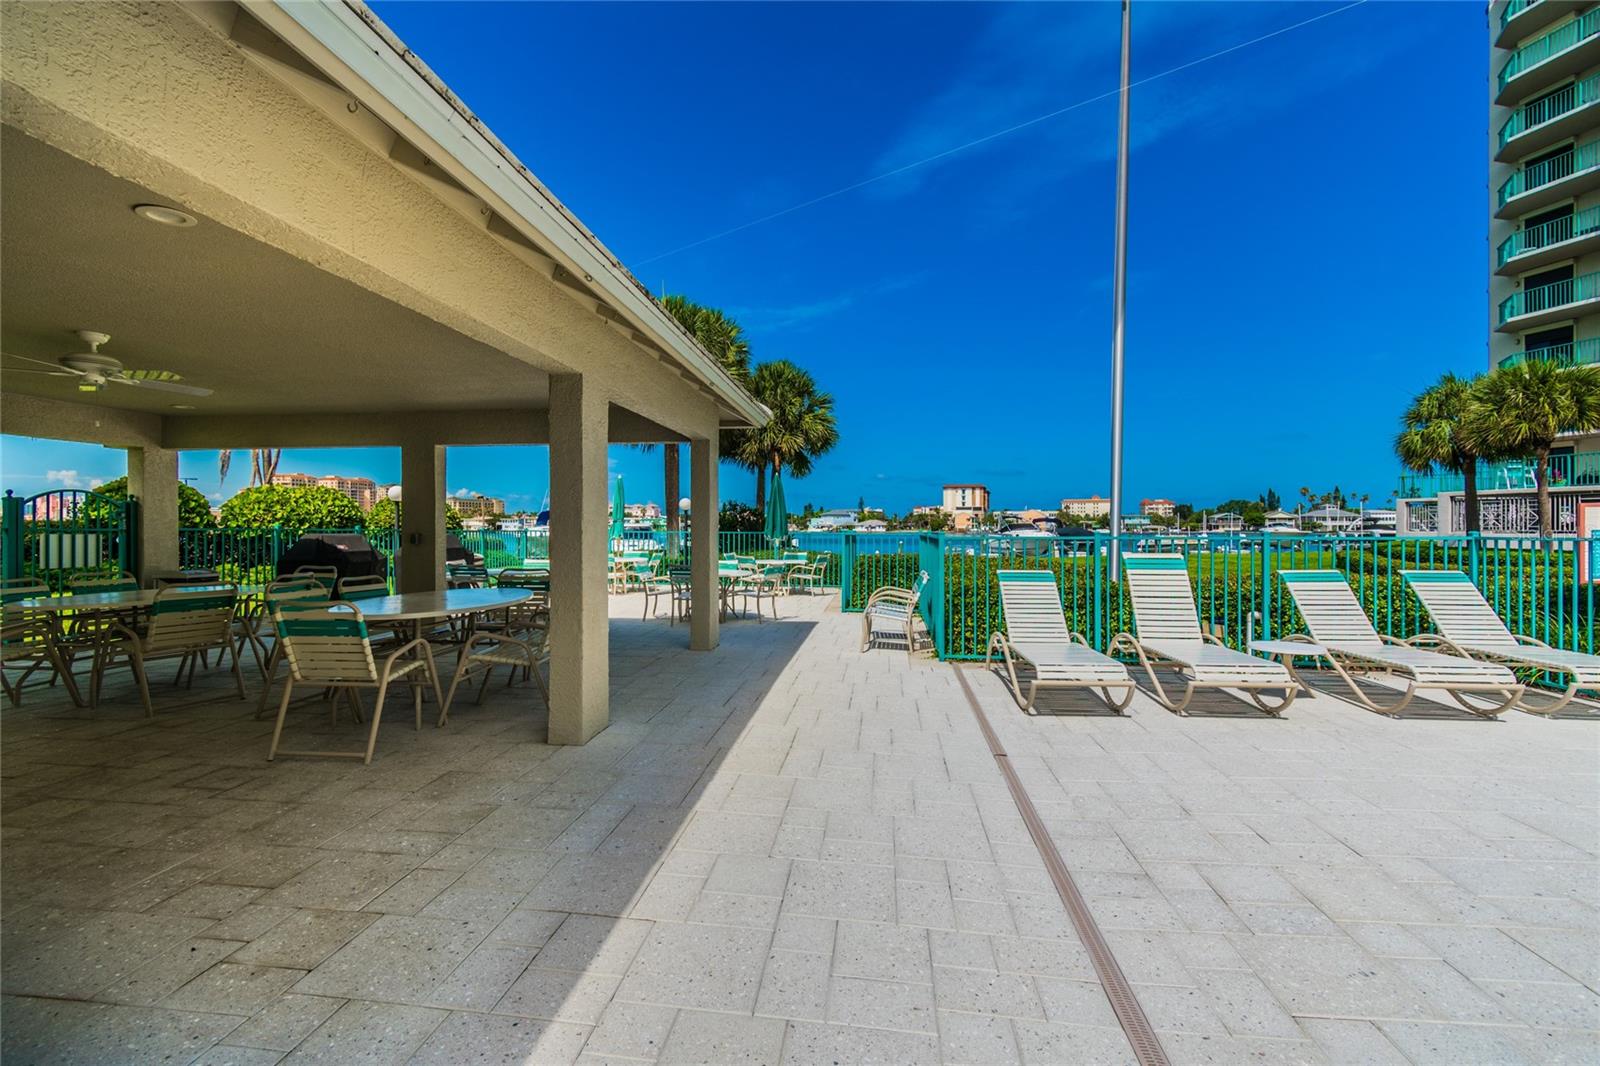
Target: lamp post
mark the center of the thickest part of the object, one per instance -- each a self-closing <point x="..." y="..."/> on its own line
<point x="1119" y="299"/>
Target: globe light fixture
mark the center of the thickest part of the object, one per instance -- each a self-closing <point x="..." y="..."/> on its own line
<point x="683" y="504"/>
<point x="394" y="493"/>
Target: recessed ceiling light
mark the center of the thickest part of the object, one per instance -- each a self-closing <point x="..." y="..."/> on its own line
<point x="182" y="406"/>
<point x="167" y="216"/>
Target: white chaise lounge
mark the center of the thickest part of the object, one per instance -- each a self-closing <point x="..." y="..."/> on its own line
<point x="1036" y="634"/>
<point x="1352" y="645"/>
<point x="1467" y="625"/>
<point x="1168" y="633"/>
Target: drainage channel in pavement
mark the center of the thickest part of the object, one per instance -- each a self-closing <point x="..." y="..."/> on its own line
<point x="1146" y="1047"/>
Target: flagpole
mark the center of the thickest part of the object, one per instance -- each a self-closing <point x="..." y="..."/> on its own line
<point x="1119" y="298"/>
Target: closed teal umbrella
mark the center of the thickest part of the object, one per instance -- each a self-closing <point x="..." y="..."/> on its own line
<point x="777" y="517"/>
<point x="618" y="505"/>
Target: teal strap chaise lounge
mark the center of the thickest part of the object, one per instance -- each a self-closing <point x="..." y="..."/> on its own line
<point x="1036" y="635"/>
<point x="1351" y="645"/>
<point x="1467" y="625"/>
<point x="1167" y="632"/>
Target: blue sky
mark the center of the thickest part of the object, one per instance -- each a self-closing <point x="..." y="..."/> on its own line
<point x="1307" y="229"/>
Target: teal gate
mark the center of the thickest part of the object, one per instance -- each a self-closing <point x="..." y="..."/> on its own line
<point x="57" y="534"/>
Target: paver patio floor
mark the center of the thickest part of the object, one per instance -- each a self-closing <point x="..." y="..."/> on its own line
<point x="786" y="850"/>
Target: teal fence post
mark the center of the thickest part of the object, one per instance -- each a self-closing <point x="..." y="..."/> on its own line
<point x="1097" y="589"/>
<point x="930" y="555"/>
<point x="847" y="570"/>
<point x="1474" y="548"/>
<point x="11" y="519"/>
<point x="130" y="515"/>
<point x="1266" y="586"/>
<point x="132" y="551"/>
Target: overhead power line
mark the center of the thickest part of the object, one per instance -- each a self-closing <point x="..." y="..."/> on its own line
<point x="986" y="138"/>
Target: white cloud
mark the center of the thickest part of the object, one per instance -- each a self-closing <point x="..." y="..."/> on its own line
<point x="66" y="479"/>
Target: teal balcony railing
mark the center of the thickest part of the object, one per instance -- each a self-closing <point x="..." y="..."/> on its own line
<point x="1579" y="353"/>
<point x="1563" y="38"/>
<point x="1572" y="469"/>
<point x="1556" y="168"/>
<point x="1515" y="8"/>
<point x="1545" y="297"/>
<point x="1545" y="234"/>
<point x="1549" y="108"/>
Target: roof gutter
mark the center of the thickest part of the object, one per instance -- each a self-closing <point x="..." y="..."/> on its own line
<point x="352" y="46"/>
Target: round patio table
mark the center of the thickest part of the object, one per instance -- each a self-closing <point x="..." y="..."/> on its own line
<point x="111" y="601"/>
<point x="420" y="607"/>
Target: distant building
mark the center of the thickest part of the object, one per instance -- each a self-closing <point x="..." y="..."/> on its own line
<point x="1092" y="507"/>
<point x="362" y="490"/>
<point x="471" y="506"/>
<point x="972" y="498"/>
<point x="840" y="519"/>
<point x="1158" y="508"/>
<point x="1330" y="517"/>
<point x="928" y="509"/>
<point x="872" y="525"/>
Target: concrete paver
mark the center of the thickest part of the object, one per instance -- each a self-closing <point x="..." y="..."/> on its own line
<point x="787" y="850"/>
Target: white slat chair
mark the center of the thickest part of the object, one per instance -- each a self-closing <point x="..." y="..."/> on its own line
<point x="1337" y="622"/>
<point x="1468" y="625"/>
<point x="326" y="646"/>
<point x="1036" y="634"/>
<point x="186" y="621"/>
<point x="1168" y="633"/>
<point x="896" y="608"/>
<point x="30" y="640"/>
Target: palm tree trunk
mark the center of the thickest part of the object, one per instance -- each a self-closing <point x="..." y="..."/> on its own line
<point x="761" y="489"/>
<point x="1469" y="479"/>
<point x="670" y="476"/>
<point x="1541" y="477"/>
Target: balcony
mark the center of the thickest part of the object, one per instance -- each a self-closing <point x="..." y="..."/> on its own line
<point x="1545" y="60"/>
<point x="1579" y="353"/>
<point x="1565" y="112"/>
<point x="1521" y="18"/>
<point x="1549" y="303"/>
<point x="1573" y="470"/>
<point x="1547" y="242"/>
<point x="1561" y="177"/>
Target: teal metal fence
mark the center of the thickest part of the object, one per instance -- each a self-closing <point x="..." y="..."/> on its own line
<point x="1537" y="586"/>
<point x="55" y="536"/>
<point x="1573" y="161"/>
<point x="1570" y="468"/>
<point x="1574" y="353"/>
<point x="1551" y="107"/>
<point x="1557" y="230"/>
<point x="1514" y="8"/>
<point x="1566" y="36"/>
<point x="1551" y="296"/>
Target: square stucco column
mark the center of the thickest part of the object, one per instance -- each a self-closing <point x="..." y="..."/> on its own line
<point x="153" y="481"/>
<point x="422" y="493"/>
<point x="580" y="680"/>
<point x="705" y="612"/>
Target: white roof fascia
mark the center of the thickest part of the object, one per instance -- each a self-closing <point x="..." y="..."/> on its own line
<point x="344" y="42"/>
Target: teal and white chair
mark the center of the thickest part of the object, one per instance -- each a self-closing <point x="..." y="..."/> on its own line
<point x="1166" y="632"/>
<point x="327" y="647"/>
<point x="186" y="622"/>
<point x="1036" y="635"/>
<point x="29" y="641"/>
<point x="1468" y="626"/>
<point x="1352" y="646"/>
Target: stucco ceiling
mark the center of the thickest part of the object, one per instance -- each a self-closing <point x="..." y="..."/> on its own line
<point x="266" y="331"/>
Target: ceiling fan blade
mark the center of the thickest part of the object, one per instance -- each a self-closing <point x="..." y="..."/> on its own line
<point x="57" y="367"/>
<point x="152" y="375"/>
<point x="164" y="386"/>
<point x="44" y="373"/>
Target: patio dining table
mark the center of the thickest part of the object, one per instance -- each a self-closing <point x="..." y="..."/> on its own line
<point x="419" y="608"/>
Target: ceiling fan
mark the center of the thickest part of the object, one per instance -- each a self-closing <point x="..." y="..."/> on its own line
<point x="94" y="370"/>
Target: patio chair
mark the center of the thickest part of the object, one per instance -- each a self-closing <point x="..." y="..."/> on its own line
<point x="304" y="590"/>
<point x="1469" y="626"/>
<point x="29" y="641"/>
<point x="1167" y="632"/>
<point x="1036" y="633"/>
<point x="83" y="631"/>
<point x="759" y="583"/>
<point x="102" y="582"/>
<point x="486" y="650"/>
<point x="1351" y="645"/>
<point x="810" y="576"/>
<point x="464" y="576"/>
<point x="328" y="575"/>
<point x="897" y="607"/>
<point x="533" y="613"/>
<point x="327" y="646"/>
<point x="185" y="623"/>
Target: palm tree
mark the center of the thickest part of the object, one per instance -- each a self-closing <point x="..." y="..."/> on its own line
<point x="724" y="340"/>
<point x="802" y="426"/>
<point x="263" y="464"/>
<point x="1523" y="409"/>
<point x="1431" y="436"/>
